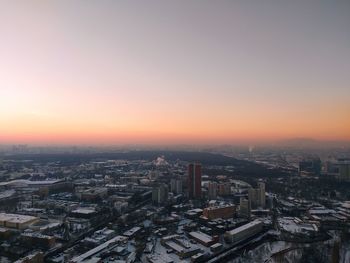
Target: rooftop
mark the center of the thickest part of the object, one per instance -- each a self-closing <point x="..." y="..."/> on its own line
<point x="30" y="183"/>
<point x="98" y="249"/>
<point x="244" y="227"/>
<point x="16" y="218"/>
<point x="85" y="211"/>
<point x="201" y="236"/>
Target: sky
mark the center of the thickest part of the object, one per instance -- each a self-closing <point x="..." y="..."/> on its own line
<point x="118" y="72"/>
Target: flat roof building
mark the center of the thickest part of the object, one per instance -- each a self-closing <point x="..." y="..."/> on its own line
<point x="203" y="238"/>
<point x="243" y="232"/>
<point x="98" y="249"/>
<point x="132" y="232"/>
<point x="16" y="221"/>
<point x="223" y="212"/>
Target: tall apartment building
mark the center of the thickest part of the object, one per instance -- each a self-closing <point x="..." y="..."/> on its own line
<point x="176" y="186"/>
<point x="212" y="190"/>
<point x="256" y="196"/>
<point x="194" y="181"/>
<point x="224" y="189"/>
<point x="160" y="194"/>
<point x="339" y="169"/>
<point x="244" y="207"/>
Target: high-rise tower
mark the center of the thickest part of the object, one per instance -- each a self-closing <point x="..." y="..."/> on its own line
<point x="194" y="181"/>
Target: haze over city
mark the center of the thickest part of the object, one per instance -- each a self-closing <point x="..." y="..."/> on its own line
<point x="155" y="72"/>
<point x="187" y="131"/>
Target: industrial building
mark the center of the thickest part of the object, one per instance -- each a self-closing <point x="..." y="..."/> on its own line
<point x="243" y="232"/>
<point x="223" y="212"/>
<point x="84" y="212"/>
<point x="132" y="232"/>
<point x="43" y="241"/>
<point x="36" y="257"/>
<point x="44" y="186"/>
<point x="17" y="221"/>
<point x="203" y="238"/>
<point x="181" y="247"/>
<point x="114" y="241"/>
<point x="93" y="193"/>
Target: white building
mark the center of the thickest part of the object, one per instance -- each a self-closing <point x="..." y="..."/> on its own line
<point x="243" y="232"/>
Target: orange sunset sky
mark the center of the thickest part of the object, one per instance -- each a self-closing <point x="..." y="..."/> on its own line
<point x="116" y="72"/>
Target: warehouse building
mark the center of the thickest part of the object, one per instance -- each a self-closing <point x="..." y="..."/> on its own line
<point x="203" y="238"/>
<point x="243" y="232"/>
<point x="16" y="221"/>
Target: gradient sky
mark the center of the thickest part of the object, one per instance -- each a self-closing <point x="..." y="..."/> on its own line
<point x="173" y="71"/>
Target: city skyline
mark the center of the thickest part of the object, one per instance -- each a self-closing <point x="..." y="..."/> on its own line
<point x="171" y="73"/>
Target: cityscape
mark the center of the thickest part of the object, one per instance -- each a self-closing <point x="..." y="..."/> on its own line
<point x="174" y="131"/>
<point x="162" y="206"/>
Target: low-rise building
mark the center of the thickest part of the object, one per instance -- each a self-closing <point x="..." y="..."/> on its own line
<point x="38" y="239"/>
<point x="36" y="257"/>
<point x="132" y="232"/>
<point x="17" y="221"/>
<point x="84" y="212"/>
<point x="98" y="249"/>
<point x="93" y="193"/>
<point x="215" y="212"/>
<point x="203" y="238"/>
<point x="296" y="226"/>
<point x="243" y="232"/>
<point x="216" y="247"/>
<point x="181" y="247"/>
